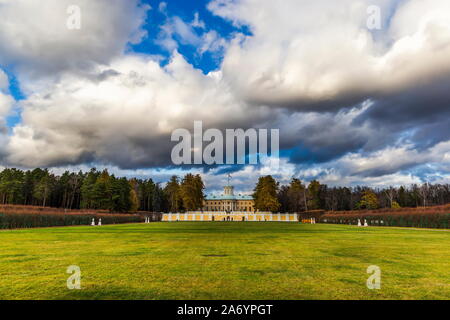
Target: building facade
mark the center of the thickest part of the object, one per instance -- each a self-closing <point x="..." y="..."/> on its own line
<point x="229" y="202"/>
<point x="229" y="207"/>
<point x="234" y="216"/>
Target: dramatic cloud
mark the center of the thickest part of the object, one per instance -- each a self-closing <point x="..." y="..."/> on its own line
<point x="35" y="39"/>
<point x="6" y="100"/>
<point x="423" y="109"/>
<point x="6" y="105"/>
<point x="353" y="105"/>
<point x="4" y="82"/>
<point x="124" y="116"/>
<point x="321" y="55"/>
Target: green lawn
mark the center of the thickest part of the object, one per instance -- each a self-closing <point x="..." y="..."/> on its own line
<point x="224" y="261"/>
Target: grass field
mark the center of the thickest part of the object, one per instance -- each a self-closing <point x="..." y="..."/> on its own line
<point x="224" y="261"/>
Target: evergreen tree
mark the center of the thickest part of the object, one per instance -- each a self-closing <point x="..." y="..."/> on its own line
<point x="134" y="200"/>
<point x="191" y="191"/>
<point x="173" y="194"/>
<point x="42" y="190"/>
<point x="297" y="196"/>
<point x="265" y="194"/>
<point x="158" y="201"/>
<point x="314" y="192"/>
<point x="87" y="189"/>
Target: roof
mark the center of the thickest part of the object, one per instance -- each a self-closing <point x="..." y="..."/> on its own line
<point x="228" y="197"/>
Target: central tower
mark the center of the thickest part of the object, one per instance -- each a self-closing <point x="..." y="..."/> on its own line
<point x="228" y="191"/>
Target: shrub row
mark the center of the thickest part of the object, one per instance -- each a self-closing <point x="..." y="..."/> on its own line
<point x="33" y="220"/>
<point x="417" y="220"/>
<point x="425" y="210"/>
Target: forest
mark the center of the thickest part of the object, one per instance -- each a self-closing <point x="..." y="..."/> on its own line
<point x="100" y="190"/>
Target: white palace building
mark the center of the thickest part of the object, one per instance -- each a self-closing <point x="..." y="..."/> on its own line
<point x="229" y="207"/>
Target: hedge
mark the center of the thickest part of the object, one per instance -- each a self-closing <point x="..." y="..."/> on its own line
<point x="416" y="220"/>
<point x="33" y="220"/>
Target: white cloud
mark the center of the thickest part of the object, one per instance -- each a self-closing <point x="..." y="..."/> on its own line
<point x="89" y="102"/>
<point x="4" y="82"/>
<point x="175" y="30"/>
<point x="320" y="54"/>
<point x="6" y="105"/>
<point x="389" y="166"/>
<point x="395" y="179"/>
<point x="197" y="23"/>
<point x="392" y="159"/>
<point x="124" y="115"/>
<point x="34" y="36"/>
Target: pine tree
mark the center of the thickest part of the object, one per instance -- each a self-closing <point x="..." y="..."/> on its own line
<point x="134" y="201"/>
<point x="87" y="189"/>
<point x="265" y="194"/>
<point x="297" y="196"/>
<point x="173" y="194"/>
<point x="314" y="199"/>
<point x="191" y="191"/>
<point x="43" y="188"/>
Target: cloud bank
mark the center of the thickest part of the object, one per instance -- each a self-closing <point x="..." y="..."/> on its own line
<point x="353" y="105"/>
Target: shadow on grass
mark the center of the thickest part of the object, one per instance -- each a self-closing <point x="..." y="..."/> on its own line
<point x="273" y="228"/>
<point x="111" y="293"/>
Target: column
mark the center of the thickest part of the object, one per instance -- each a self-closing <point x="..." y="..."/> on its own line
<point x="170" y="217"/>
<point x="287" y="217"/>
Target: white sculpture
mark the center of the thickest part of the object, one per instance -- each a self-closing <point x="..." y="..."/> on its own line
<point x="93" y="222"/>
<point x="365" y="223"/>
<point x="100" y="222"/>
<point x="359" y="223"/>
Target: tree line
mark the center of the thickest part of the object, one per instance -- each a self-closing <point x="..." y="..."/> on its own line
<point x="100" y="190"/>
<point x="298" y="197"/>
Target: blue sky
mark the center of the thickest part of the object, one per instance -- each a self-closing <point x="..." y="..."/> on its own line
<point x="186" y="10"/>
<point x="353" y="105"/>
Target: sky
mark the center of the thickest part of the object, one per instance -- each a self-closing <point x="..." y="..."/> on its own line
<point x="356" y="103"/>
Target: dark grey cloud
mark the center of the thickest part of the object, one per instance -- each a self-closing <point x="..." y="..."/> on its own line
<point x="345" y="100"/>
<point x="420" y="115"/>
